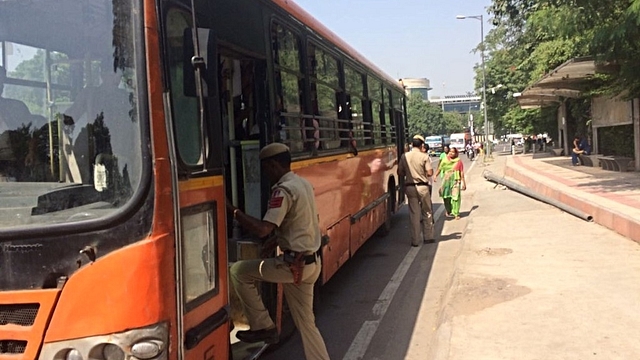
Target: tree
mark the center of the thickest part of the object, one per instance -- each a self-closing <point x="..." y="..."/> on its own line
<point x="453" y="122"/>
<point x="423" y="118"/>
<point x="34" y="69"/>
<point x="607" y="30"/>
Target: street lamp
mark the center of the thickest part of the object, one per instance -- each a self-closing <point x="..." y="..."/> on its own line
<point x="484" y="82"/>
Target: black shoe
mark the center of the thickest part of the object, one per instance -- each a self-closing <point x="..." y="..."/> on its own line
<point x="269" y="336"/>
<point x="415" y="245"/>
<point x="429" y="241"/>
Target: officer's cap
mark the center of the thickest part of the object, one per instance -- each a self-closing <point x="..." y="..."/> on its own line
<point x="273" y="149"/>
<point x="419" y="137"/>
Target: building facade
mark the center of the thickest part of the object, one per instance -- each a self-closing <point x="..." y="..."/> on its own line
<point x="462" y="104"/>
<point x="417" y="85"/>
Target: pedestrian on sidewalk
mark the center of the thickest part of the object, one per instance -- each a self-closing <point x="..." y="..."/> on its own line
<point x="293" y="217"/>
<point x="414" y="171"/>
<point x="425" y="149"/>
<point x="453" y="182"/>
<point x="432" y="179"/>
<point x="445" y="151"/>
<point x="576" y="151"/>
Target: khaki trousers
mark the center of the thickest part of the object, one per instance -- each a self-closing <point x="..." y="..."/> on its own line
<point x="420" y="213"/>
<point x="246" y="274"/>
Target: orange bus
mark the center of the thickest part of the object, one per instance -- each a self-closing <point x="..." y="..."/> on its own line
<point x="124" y="126"/>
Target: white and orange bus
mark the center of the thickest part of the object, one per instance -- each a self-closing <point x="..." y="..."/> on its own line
<point x="124" y="126"/>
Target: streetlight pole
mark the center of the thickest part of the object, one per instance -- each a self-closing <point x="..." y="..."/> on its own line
<point x="443" y="96"/>
<point x="487" y="146"/>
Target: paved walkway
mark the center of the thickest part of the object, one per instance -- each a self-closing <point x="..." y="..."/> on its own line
<point x="532" y="282"/>
<point x="612" y="198"/>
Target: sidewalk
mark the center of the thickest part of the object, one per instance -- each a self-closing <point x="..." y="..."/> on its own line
<point x="612" y="198"/>
<point x="535" y="283"/>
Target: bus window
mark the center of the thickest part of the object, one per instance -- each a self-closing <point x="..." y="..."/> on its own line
<point x="398" y="106"/>
<point x="71" y="127"/>
<point x="325" y="89"/>
<point x="184" y="108"/>
<point x="377" y="110"/>
<point x="355" y="92"/>
<point x="286" y="57"/>
<point x="388" y="123"/>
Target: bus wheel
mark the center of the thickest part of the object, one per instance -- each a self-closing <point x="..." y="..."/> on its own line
<point x="391" y="203"/>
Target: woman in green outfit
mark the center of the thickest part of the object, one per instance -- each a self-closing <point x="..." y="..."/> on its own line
<point x="445" y="152"/>
<point x="453" y="182"/>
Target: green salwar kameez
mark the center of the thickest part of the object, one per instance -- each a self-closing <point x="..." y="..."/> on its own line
<point x="450" y="189"/>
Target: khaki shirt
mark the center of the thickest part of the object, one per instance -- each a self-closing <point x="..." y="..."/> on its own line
<point x="415" y="164"/>
<point x="292" y="208"/>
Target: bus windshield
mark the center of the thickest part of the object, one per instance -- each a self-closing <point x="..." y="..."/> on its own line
<point x="70" y="138"/>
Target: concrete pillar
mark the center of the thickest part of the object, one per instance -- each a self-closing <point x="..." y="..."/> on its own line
<point x="635" y="113"/>
<point x="563" y="137"/>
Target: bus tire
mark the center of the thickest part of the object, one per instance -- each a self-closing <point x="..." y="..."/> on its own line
<point x="385" y="229"/>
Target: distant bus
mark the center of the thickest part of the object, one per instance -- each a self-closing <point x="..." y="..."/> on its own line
<point x="436" y="144"/>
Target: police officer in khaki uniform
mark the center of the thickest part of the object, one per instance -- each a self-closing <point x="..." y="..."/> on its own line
<point x="293" y="216"/>
<point x="414" y="170"/>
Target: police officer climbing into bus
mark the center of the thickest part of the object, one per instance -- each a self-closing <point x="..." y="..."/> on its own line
<point x="293" y="217"/>
<point x="415" y="170"/>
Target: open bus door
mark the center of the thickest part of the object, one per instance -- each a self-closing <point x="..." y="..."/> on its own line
<point x="244" y="110"/>
<point x="203" y="324"/>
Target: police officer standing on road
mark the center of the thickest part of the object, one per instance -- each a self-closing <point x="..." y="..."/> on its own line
<point x="414" y="170"/>
<point x="293" y="216"/>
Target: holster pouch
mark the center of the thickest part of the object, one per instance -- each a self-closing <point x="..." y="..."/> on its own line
<point x="296" y="265"/>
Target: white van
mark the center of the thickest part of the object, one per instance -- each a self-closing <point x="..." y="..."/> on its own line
<point x="517" y="139"/>
<point x="458" y="141"/>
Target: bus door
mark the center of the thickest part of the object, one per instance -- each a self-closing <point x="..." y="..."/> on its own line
<point x="244" y="112"/>
<point x="202" y="322"/>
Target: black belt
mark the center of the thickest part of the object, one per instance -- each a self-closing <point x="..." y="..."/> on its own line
<point x="308" y="259"/>
<point x="416" y="184"/>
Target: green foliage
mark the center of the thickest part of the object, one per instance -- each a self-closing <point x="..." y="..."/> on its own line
<point x="532" y="37"/>
<point x="429" y="119"/>
<point x="453" y="122"/>
<point x="616" y="140"/>
<point x="607" y="30"/>
<point x="34" y="70"/>
<point x="423" y="118"/>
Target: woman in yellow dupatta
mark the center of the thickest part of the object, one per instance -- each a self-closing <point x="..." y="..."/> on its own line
<point x="453" y="182"/>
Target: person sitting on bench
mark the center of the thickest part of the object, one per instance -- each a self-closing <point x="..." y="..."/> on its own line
<point x="581" y="146"/>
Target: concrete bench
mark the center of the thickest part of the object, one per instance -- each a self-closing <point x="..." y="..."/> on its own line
<point x="615" y="163"/>
<point x="557" y="151"/>
<point x="589" y="160"/>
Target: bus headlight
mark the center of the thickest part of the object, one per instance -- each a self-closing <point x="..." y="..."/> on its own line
<point x="73" y="354"/>
<point x="112" y="352"/>
<point x="147" y="349"/>
<point x="137" y="344"/>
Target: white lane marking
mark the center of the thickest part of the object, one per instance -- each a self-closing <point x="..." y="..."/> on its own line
<point x="361" y="342"/>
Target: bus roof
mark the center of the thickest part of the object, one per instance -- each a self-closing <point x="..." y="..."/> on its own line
<point x="307" y="19"/>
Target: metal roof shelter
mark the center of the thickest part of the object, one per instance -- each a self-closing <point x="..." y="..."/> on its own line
<point x="565" y="81"/>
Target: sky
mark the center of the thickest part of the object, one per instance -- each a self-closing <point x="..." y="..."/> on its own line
<point x="411" y="38"/>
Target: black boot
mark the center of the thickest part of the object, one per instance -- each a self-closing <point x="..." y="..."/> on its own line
<point x="269" y="336"/>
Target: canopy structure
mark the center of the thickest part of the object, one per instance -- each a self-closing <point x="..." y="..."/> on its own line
<point x="565" y="81"/>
